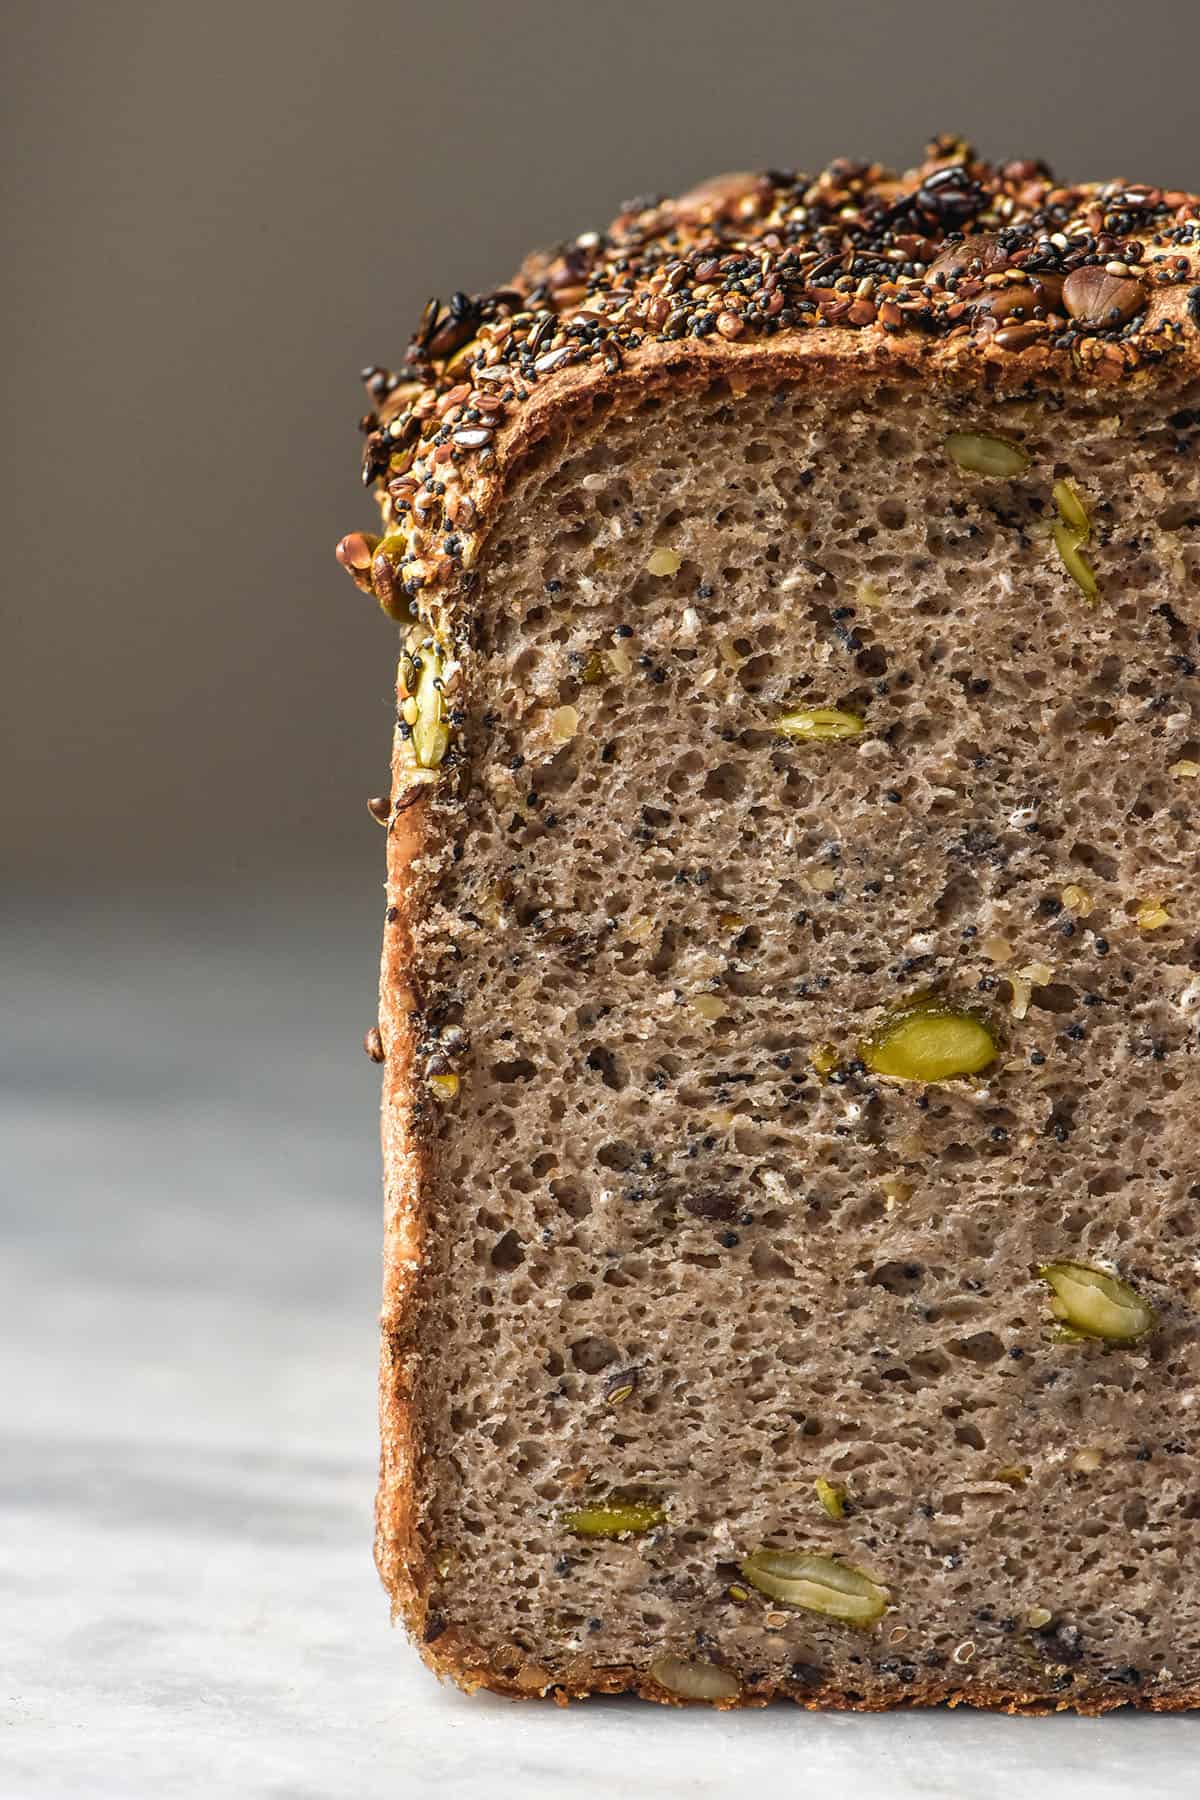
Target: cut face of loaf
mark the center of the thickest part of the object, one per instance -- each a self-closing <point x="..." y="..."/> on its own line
<point x="686" y="1249"/>
<point x="790" y="1005"/>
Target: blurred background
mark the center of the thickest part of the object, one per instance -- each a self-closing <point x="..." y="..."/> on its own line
<point x="216" y="214"/>
<point x="222" y="211"/>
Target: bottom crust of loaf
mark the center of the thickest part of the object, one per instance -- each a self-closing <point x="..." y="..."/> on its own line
<point x="453" y="1657"/>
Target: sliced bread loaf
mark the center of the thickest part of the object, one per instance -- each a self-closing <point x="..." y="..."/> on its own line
<point x="792" y="960"/>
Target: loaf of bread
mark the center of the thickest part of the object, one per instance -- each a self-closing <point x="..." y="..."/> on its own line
<point x="792" y="960"/>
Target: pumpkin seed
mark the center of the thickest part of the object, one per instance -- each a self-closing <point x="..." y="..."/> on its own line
<point x="430" y="734"/>
<point x="1099" y="298"/>
<point x="1094" y="1304"/>
<point x="1067" y="542"/>
<point x="621" y="1387"/>
<point x="981" y="455"/>
<point x="832" y="1497"/>
<point x="1071" y="509"/>
<point x="619" y="1519"/>
<point x="694" y="1680"/>
<point x="812" y="723"/>
<point x="816" y="1583"/>
<point x="930" y="1043"/>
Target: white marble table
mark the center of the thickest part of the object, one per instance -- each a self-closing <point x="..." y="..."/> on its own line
<point x="187" y="1603"/>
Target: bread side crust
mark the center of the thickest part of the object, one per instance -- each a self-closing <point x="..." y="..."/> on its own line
<point x="406" y="1166"/>
<point x="565" y="404"/>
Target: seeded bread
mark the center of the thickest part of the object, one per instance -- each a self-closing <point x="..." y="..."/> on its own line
<point x="792" y="969"/>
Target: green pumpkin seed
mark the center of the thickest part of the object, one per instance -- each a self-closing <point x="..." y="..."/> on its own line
<point x="985" y="455"/>
<point x="430" y="733"/>
<point x="817" y="1583"/>
<point x="812" y="723"/>
<point x="617" y="1520"/>
<point x="930" y="1043"/>
<point x="832" y="1497"/>
<point x="1071" y="509"/>
<point x="1067" y="541"/>
<point x="1093" y="1304"/>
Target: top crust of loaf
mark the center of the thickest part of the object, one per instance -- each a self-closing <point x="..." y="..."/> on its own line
<point x="860" y="258"/>
<point x="967" y="272"/>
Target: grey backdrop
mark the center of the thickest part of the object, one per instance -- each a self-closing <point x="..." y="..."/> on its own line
<point x="221" y="210"/>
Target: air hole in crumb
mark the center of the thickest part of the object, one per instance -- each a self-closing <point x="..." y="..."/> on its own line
<point x="519" y="1070"/>
<point x="725" y="782"/>
<point x="591" y="1354"/>
<point x="616" y="1156"/>
<point x="508" y="1253"/>
<point x="982" y="1347"/>
<point x="899" y="1278"/>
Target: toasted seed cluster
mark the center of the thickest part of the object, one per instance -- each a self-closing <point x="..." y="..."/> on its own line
<point x="958" y="258"/>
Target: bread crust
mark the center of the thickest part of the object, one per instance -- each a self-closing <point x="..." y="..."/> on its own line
<point x="1160" y="353"/>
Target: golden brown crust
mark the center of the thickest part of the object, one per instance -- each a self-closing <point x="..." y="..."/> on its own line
<point x="960" y="271"/>
<point x="452" y="1655"/>
<point x="404" y="1156"/>
<point x="445" y="447"/>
